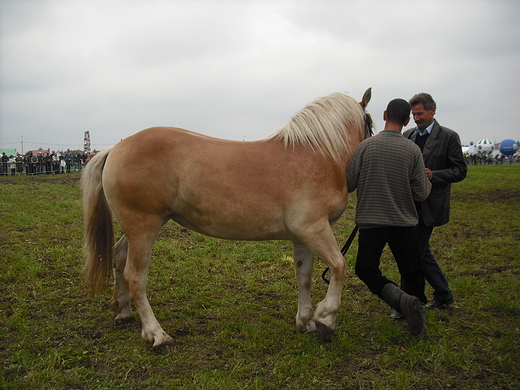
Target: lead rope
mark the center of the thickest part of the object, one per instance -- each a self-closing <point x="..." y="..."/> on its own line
<point x="343" y="251"/>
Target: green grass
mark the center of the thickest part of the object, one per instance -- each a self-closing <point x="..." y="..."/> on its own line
<point x="230" y="306"/>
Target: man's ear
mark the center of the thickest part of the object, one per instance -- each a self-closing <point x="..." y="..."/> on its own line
<point x="406" y="123"/>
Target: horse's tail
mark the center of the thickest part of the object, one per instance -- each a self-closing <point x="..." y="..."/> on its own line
<point x="98" y="230"/>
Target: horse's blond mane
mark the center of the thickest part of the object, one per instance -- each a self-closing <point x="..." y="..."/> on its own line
<point x="323" y="125"/>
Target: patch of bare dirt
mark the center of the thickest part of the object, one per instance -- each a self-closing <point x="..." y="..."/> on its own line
<point x="495" y="195"/>
<point x="72" y="178"/>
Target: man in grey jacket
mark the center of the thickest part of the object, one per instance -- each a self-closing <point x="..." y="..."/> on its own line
<point x="445" y="164"/>
<point x="389" y="174"/>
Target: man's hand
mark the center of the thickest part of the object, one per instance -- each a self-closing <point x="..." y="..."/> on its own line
<point x="429" y="173"/>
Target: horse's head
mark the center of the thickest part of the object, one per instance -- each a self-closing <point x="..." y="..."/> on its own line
<point x="369" y="131"/>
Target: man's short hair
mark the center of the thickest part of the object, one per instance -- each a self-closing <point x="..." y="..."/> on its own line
<point x="425" y="99"/>
<point x="398" y="111"/>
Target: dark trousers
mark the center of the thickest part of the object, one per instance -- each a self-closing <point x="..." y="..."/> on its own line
<point x="404" y="245"/>
<point x="431" y="269"/>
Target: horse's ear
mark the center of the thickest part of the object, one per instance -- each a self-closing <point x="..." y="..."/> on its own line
<point x="366" y="98"/>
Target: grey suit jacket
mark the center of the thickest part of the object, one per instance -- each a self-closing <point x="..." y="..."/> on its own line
<point x="443" y="155"/>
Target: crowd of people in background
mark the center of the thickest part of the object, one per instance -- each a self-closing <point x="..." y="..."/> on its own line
<point x="75" y="160"/>
<point x="43" y="162"/>
<point x="488" y="159"/>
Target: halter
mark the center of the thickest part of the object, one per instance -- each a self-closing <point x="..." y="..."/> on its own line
<point x="369" y="130"/>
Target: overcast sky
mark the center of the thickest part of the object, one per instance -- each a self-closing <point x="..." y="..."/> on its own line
<point x="241" y="69"/>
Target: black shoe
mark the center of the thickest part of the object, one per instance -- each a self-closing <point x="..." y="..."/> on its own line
<point x="439" y="304"/>
<point x="397" y="315"/>
<point x="414" y="315"/>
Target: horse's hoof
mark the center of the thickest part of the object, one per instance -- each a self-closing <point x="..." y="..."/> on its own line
<point x="311" y="327"/>
<point x="125" y="321"/>
<point x="324" y="331"/>
<point x="163" y="349"/>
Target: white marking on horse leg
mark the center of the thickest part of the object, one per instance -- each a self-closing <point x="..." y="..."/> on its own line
<point x="325" y="247"/>
<point x="151" y="332"/>
<point x="135" y="275"/>
<point x="120" y="302"/>
<point x="303" y="264"/>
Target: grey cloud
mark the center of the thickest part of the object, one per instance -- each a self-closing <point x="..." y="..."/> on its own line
<point x="240" y="69"/>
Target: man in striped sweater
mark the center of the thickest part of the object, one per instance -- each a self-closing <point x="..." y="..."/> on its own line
<point x="389" y="174"/>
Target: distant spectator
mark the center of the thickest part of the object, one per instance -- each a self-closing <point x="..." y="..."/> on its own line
<point x="3" y="164"/>
<point x="68" y="161"/>
<point x="63" y="164"/>
<point x="27" y="163"/>
<point x="19" y="163"/>
<point x="55" y="163"/>
<point x="34" y="164"/>
<point x="12" y="165"/>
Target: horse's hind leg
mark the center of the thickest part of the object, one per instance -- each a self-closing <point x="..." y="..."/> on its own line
<point x="120" y="302"/>
<point x="140" y="243"/>
<point x="303" y="264"/>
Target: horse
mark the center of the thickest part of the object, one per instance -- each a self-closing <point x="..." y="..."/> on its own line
<point x="290" y="185"/>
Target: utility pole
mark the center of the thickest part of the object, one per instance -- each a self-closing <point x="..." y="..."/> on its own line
<point x="86" y="142"/>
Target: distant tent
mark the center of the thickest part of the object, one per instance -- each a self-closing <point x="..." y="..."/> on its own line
<point x="35" y="152"/>
<point x="9" y="152"/>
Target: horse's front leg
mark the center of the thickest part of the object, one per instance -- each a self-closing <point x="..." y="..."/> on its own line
<point x="135" y="275"/>
<point x="120" y="302"/>
<point x="303" y="264"/>
<point x="323" y="245"/>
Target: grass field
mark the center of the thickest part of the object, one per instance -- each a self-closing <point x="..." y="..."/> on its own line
<point x="230" y="306"/>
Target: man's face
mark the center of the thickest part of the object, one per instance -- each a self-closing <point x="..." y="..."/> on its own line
<point x="422" y="117"/>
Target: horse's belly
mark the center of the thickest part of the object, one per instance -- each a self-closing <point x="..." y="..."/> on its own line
<point x="241" y="228"/>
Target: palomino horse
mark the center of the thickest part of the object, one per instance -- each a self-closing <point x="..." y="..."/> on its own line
<point x="290" y="185"/>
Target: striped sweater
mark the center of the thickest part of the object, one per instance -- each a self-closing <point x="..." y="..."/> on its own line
<point x="389" y="174"/>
